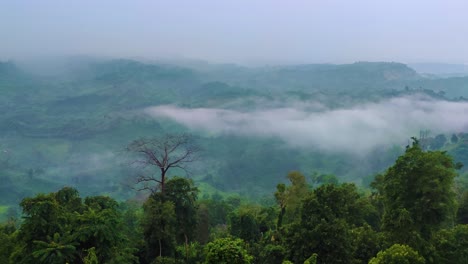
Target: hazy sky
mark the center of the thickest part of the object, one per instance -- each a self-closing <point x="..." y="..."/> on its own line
<point x="242" y="31"/>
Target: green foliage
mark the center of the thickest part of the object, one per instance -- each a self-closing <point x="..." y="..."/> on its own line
<point x="57" y="250"/>
<point x="417" y="194"/>
<point x="450" y="245"/>
<point x="272" y="254"/>
<point x="158" y="224"/>
<point x="58" y="228"/>
<point x="99" y="229"/>
<point x="331" y="240"/>
<point x="42" y="218"/>
<point x="462" y="213"/>
<point x="366" y="242"/>
<point x="170" y="218"/>
<point x="312" y="259"/>
<point x="91" y="257"/>
<point x="328" y="214"/>
<point x="331" y="202"/>
<point x="333" y="223"/>
<point x="249" y="222"/>
<point x="318" y="179"/>
<point x="7" y="242"/>
<point x="166" y="260"/>
<point x="398" y="254"/>
<point x="101" y="203"/>
<point x="192" y="253"/>
<point x="183" y="194"/>
<point x="290" y="198"/>
<point x="70" y="199"/>
<point x="227" y="251"/>
<point x="203" y="226"/>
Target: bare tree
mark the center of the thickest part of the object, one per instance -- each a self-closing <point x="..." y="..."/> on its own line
<point x="163" y="153"/>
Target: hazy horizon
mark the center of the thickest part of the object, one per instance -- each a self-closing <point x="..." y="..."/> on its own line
<point x="242" y="32"/>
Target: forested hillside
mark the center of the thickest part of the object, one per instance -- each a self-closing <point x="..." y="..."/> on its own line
<point x="70" y="127"/>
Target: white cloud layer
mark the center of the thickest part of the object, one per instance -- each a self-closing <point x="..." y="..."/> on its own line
<point x="354" y="130"/>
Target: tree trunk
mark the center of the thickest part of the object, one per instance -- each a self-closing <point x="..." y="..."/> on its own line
<point x="280" y="217"/>
<point x="186" y="247"/>
<point x="163" y="180"/>
<point x="160" y="248"/>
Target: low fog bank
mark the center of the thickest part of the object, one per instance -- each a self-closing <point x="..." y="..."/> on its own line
<point x="354" y="130"/>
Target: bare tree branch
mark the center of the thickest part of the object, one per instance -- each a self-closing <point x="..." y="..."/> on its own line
<point x="163" y="153"/>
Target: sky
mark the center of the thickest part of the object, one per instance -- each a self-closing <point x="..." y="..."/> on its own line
<point x="240" y="31"/>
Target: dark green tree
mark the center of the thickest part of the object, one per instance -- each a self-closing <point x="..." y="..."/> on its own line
<point x="203" y="226"/>
<point x="418" y="196"/>
<point x="100" y="228"/>
<point x="366" y="242"/>
<point x="254" y="224"/>
<point x="451" y="244"/>
<point x="158" y="224"/>
<point x="183" y="194"/>
<point x="462" y="213"/>
<point x="272" y="254"/>
<point x="7" y="242"/>
<point x="328" y="215"/>
<point x="59" y="228"/>
<point x="57" y="250"/>
<point x="43" y="217"/>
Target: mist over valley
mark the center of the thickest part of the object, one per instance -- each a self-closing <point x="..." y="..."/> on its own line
<point x="254" y="124"/>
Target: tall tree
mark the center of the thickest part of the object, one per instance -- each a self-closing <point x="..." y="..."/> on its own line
<point x="418" y="194"/>
<point x="163" y="154"/>
<point x="327" y="216"/>
<point x="158" y="223"/>
<point x="183" y="194"/>
<point x="289" y="198"/>
<point x="99" y="227"/>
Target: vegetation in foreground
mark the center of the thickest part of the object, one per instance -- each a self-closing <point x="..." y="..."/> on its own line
<point x="416" y="212"/>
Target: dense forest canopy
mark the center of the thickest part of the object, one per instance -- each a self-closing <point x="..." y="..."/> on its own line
<point x="415" y="212"/>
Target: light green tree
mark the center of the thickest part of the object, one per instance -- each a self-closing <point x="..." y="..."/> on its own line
<point x="227" y="251"/>
<point x="398" y="254"/>
<point x="289" y="198"/>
